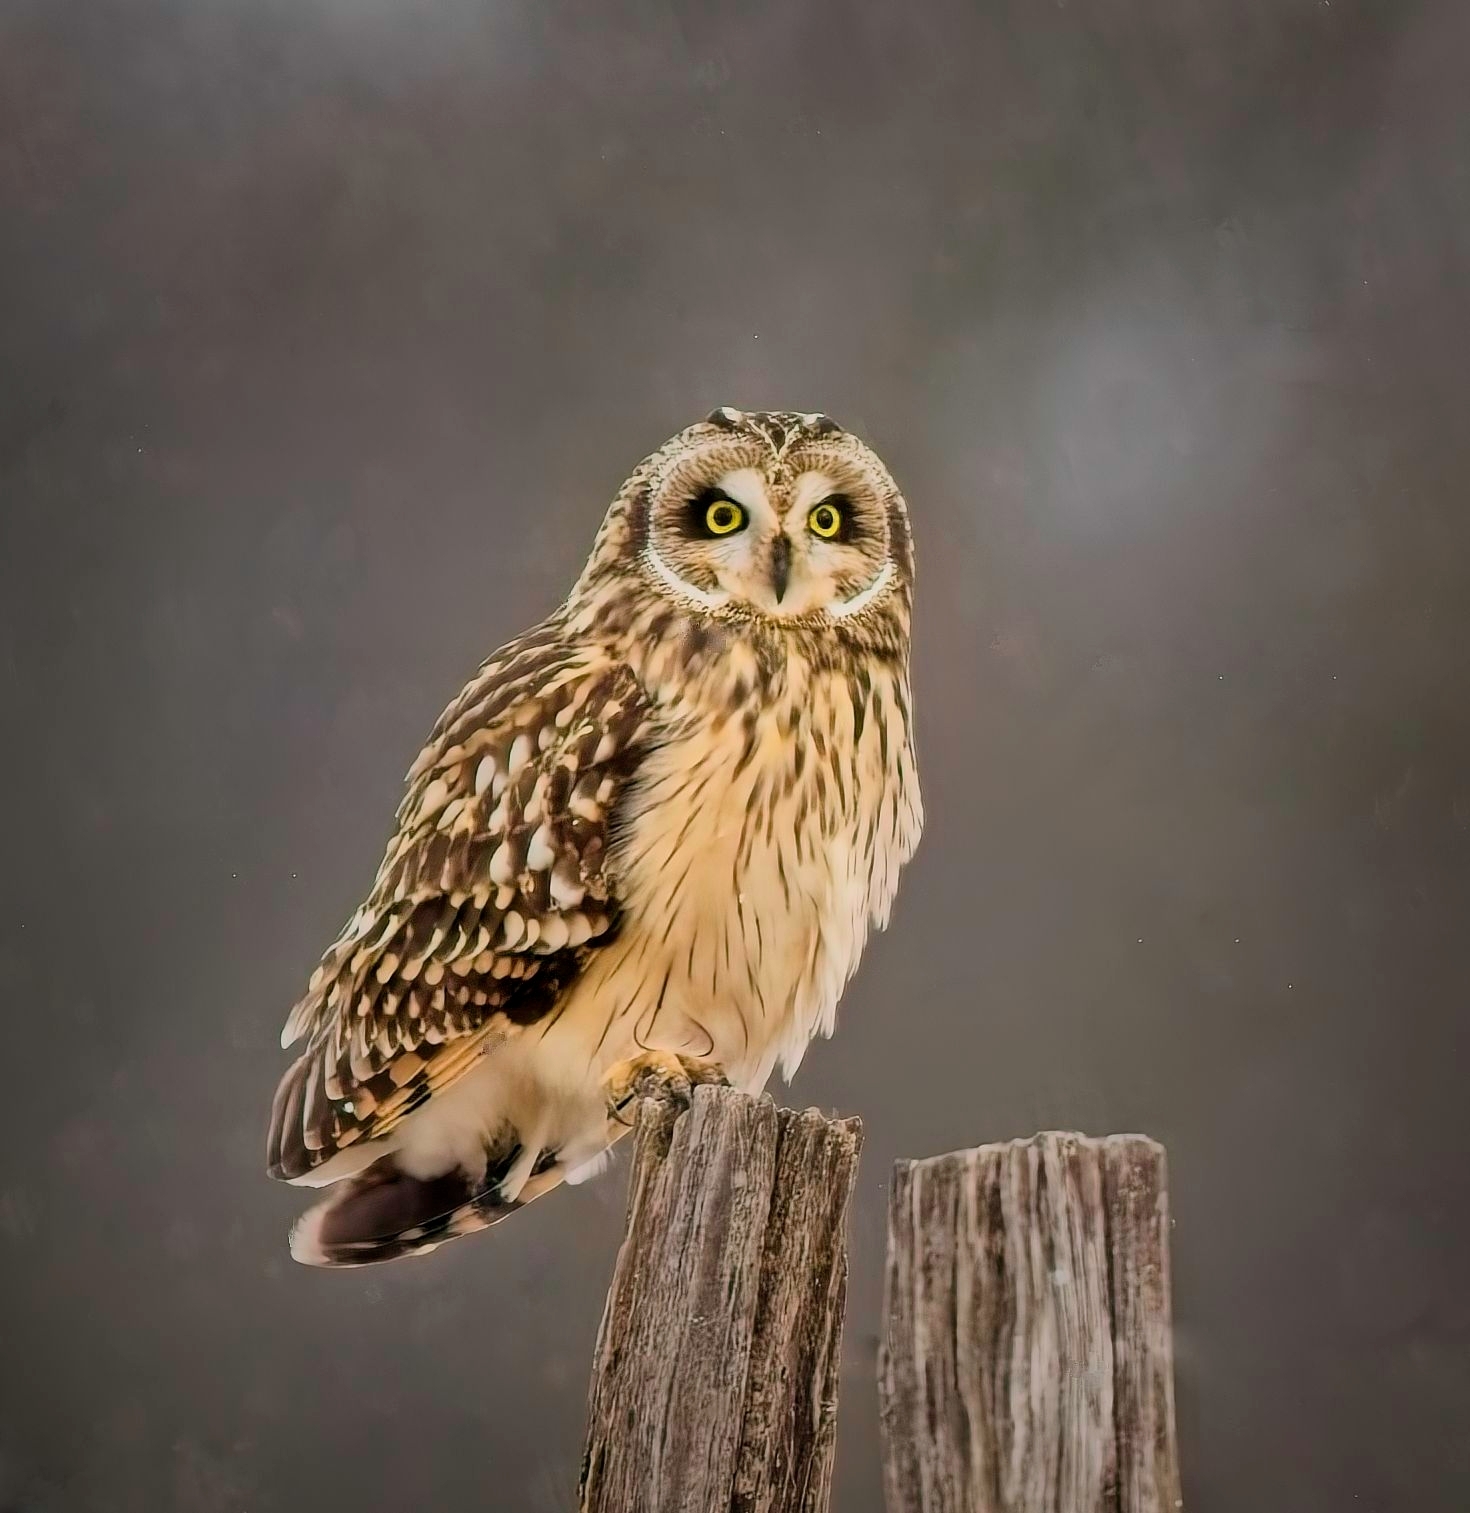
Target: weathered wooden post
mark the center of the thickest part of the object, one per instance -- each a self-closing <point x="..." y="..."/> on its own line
<point x="1027" y="1365"/>
<point x="714" y="1385"/>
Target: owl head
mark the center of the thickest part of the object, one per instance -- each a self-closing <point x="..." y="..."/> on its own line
<point x="770" y="516"/>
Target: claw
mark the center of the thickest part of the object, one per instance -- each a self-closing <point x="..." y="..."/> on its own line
<point x="659" y="1074"/>
<point x="664" y="1082"/>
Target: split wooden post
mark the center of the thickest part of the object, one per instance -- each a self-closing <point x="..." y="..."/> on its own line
<point x="714" y="1385"/>
<point x="1027" y="1365"/>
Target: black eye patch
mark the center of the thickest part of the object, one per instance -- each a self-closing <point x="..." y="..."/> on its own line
<point x="712" y="514"/>
<point x="838" y="509"/>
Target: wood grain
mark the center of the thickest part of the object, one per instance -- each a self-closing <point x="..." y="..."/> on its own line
<point x="1027" y="1361"/>
<point x="714" y="1384"/>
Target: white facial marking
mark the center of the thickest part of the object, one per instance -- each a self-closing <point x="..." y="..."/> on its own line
<point x="686" y="590"/>
<point x="861" y="601"/>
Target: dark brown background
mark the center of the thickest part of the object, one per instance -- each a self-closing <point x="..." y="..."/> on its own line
<point x="330" y="326"/>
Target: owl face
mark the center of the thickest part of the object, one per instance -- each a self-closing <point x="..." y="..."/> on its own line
<point x="773" y="515"/>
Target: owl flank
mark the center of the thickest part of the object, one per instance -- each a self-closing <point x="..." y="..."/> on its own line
<point x="644" y="845"/>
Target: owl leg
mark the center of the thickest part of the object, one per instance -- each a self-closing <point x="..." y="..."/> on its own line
<point x="533" y="1144"/>
<point x="655" y="1074"/>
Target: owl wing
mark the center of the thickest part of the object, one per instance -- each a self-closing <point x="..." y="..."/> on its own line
<point x="492" y="895"/>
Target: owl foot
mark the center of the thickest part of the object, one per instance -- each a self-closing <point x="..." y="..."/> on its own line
<point x="659" y="1074"/>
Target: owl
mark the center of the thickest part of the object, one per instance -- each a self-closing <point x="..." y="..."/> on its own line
<point x="643" y="847"/>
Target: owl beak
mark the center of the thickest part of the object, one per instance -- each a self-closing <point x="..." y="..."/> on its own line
<point x="780" y="566"/>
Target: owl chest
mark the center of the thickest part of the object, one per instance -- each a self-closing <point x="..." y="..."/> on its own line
<point x="743" y="909"/>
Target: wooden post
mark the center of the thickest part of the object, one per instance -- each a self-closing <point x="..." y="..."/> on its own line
<point x="714" y="1385"/>
<point x="1028" y="1362"/>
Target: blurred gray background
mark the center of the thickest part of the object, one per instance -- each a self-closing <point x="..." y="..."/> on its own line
<point x="329" y="328"/>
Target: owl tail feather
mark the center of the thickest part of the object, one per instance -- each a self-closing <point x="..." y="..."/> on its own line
<point x="384" y="1213"/>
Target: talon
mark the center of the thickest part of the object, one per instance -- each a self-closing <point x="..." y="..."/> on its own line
<point x="659" y="1074"/>
<point x="666" y="1082"/>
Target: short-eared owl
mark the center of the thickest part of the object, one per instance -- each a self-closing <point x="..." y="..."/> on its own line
<point x="646" y="841"/>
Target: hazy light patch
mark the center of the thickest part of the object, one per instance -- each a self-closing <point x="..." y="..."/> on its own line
<point x="1121" y="416"/>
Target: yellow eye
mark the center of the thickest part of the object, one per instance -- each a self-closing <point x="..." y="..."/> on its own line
<point x="722" y="517"/>
<point x="825" y="520"/>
